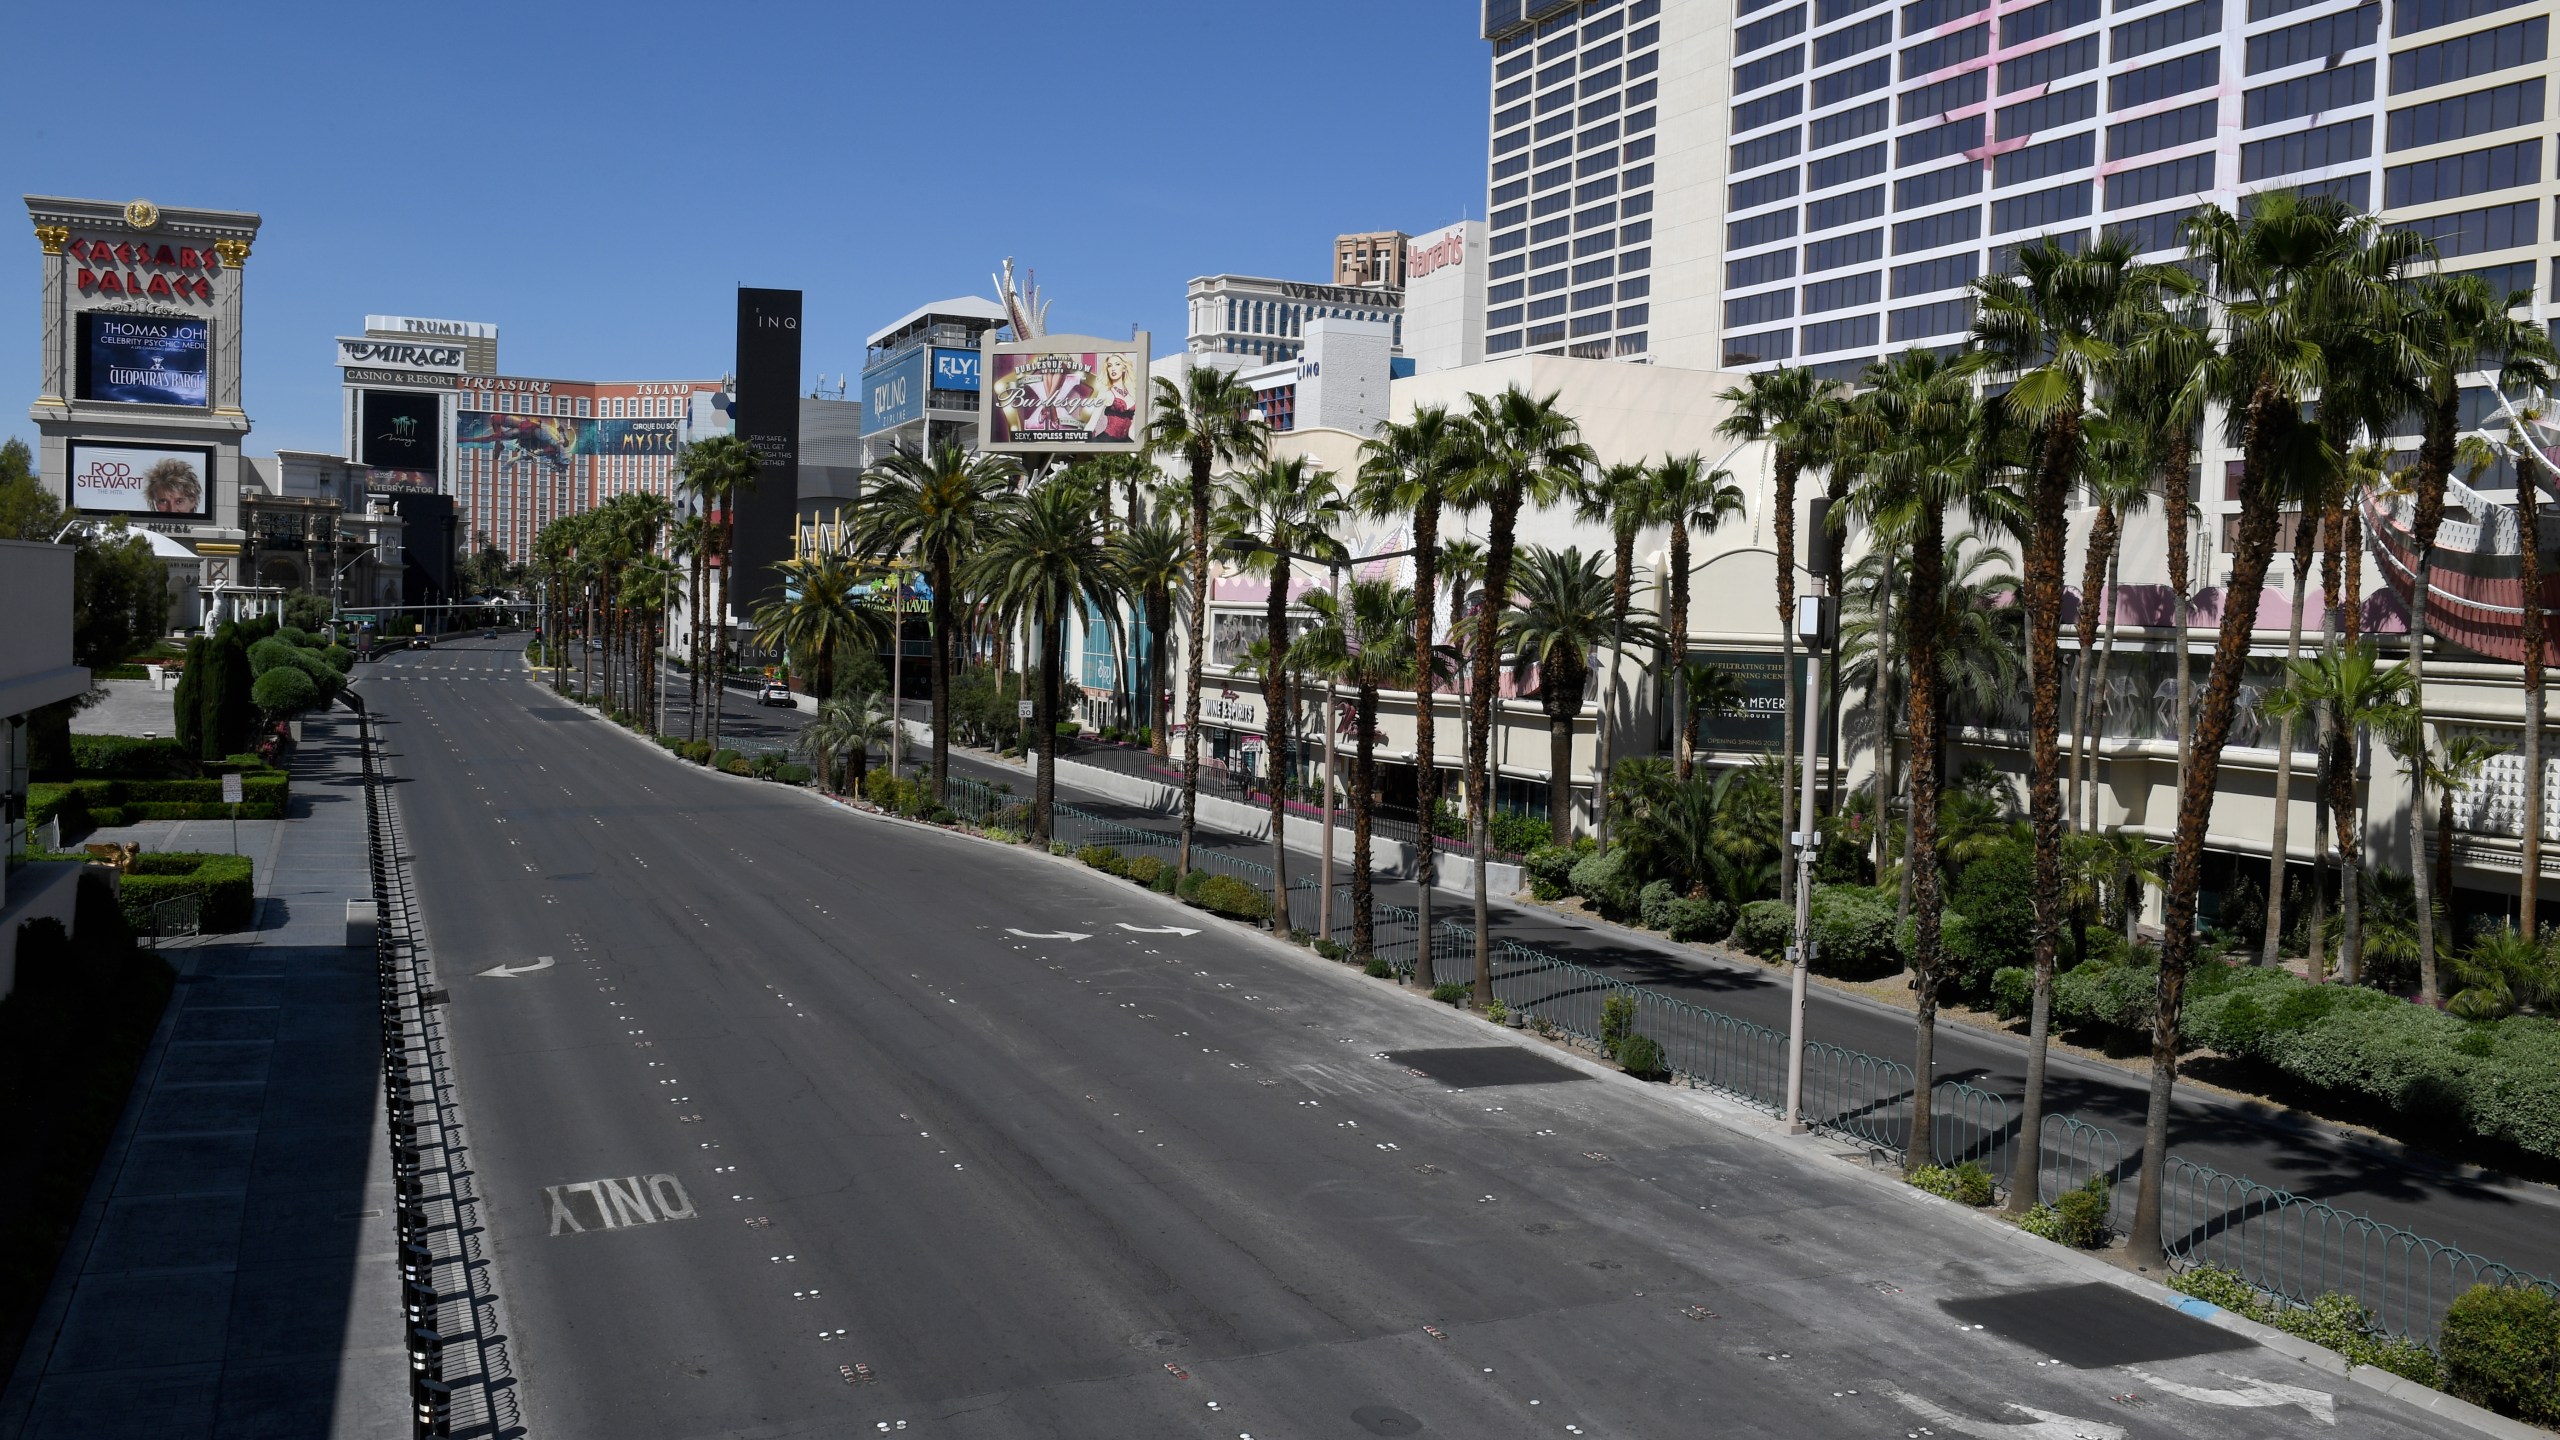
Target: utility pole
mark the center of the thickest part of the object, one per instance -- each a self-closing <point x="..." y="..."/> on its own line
<point x="1812" y="626"/>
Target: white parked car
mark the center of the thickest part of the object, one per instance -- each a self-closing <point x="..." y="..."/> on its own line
<point x="775" y="695"/>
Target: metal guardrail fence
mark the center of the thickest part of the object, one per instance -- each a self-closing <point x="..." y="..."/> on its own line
<point x="2299" y="1249"/>
<point x="2284" y="1244"/>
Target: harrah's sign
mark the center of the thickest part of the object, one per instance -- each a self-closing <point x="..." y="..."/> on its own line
<point x="1449" y="249"/>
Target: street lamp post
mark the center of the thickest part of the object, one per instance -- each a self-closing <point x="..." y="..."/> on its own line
<point x="1813" y="627"/>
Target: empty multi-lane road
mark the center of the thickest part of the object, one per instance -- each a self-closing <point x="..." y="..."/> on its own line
<point x="794" y="1121"/>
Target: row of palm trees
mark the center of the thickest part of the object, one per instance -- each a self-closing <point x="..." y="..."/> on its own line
<point x="2304" y="330"/>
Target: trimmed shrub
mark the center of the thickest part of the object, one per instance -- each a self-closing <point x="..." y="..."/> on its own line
<point x="1966" y="1184"/>
<point x="1617" y="1020"/>
<point x="1853" y="933"/>
<point x="1163" y="883"/>
<point x="187" y="701"/>
<point x="2336" y="1321"/>
<point x="1225" y="895"/>
<point x="1550" y="871"/>
<point x="1996" y="895"/>
<point x="284" y="691"/>
<point x="1653" y="905"/>
<point x="340" y="658"/>
<point x="225" y="887"/>
<point x="724" y="757"/>
<point x="1378" y="970"/>
<point x="2078" y="1219"/>
<point x="1608" y="881"/>
<point x="1707" y="920"/>
<point x="2013" y="992"/>
<point x="125" y="757"/>
<point x="1640" y="1055"/>
<point x="1144" y="869"/>
<point x="1765" y="928"/>
<point x="1450" y="992"/>
<point x="2502" y="1350"/>
<point x="1103" y="858"/>
<point x="791" y="772"/>
<point x="1332" y="950"/>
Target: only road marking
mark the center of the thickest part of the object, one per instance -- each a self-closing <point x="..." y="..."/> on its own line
<point x="509" y="972"/>
<point x="1070" y="936"/>
<point x="1156" y="929"/>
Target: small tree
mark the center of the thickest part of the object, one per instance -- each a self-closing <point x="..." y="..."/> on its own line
<point x="284" y="691"/>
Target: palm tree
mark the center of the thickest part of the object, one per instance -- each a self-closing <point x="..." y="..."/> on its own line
<point x="2457" y="766"/>
<point x="1567" y="609"/>
<point x="1406" y="469"/>
<point x="686" y="546"/>
<point x="2057" y="324"/>
<point x="818" y="613"/>
<point x="1625" y="498"/>
<point x="2356" y="691"/>
<point x="1688" y="495"/>
<point x="1206" y="421"/>
<point x="1153" y="560"/>
<point x="654" y="584"/>
<point x="2120" y="480"/>
<point x="1461" y="570"/>
<point x="1784" y="408"/>
<point x="939" y="507"/>
<point x="2532" y="473"/>
<point x="1521" y="451"/>
<point x="1269" y="512"/>
<point x="2272" y="276"/>
<point x="1037" y="564"/>
<point x="1703" y="687"/>
<point x="1360" y="639"/>
<point x="1929" y="405"/>
<point x="715" y="472"/>
<point x="2458" y="326"/>
<point x="846" y="731"/>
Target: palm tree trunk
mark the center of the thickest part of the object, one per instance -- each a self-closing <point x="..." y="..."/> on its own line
<point x="1364" y="920"/>
<point x="2093" y="579"/>
<point x="1920" y="861"/>
<point x="1887" y="761"/>
<point x="942" y="621"/>
<point x="721" y="632"/>
<point x="2253" y="545"/>
<point x="2106" y="666"/>
<point x="1192" y="656"/>
<point x="1276" y="725"/>
<point x="1497" y="591"/>
<point x="1426" y="743"/>
<point x="1053" y="649"/>
<point x="2174" y="503"/>
<point x="1559" y="775"/>
<point x="2342" y="803"/>
<point x="1621" y="586"/>
<point x="2270" y="947"/>
<point x="1676" y="640"/>
<point x="2529" y="570"/>
<point x="2047" y="535"/>
<point x="2421" y="872"/>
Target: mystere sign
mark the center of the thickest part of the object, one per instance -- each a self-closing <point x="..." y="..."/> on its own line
<point x="430" y="355"/>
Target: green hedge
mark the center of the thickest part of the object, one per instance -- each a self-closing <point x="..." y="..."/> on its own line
<point x="1853" y="931"/>
<point x="263" y="796"/>
<point x="225" y="885"/>
<point x="2502" y="1350"/>
<point x="128" y="757"/>
<point x="1609" y="881"/>
<point x="1223" y="895"/>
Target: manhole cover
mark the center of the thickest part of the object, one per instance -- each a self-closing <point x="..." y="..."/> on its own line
<point x="1385" y="1420"/>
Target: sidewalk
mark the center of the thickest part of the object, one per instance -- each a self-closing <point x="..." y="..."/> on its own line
<point x="231" y="1272"/>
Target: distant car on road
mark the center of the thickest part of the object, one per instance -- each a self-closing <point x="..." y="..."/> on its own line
<point x="488" y="634"/>
<point x="775" y="695"/>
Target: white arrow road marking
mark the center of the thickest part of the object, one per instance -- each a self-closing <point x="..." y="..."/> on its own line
<point x="1070" y="936"/>
<point x="2045" y="1426"/>
<point x="1156" y="929"/>
<point x="509" y="972"/>
<point x="2252" y="1395"/>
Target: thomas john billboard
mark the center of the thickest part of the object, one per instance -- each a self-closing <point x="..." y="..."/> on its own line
<point x="142" y="359"/>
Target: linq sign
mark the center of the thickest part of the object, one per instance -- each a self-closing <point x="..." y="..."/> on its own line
<point x="106" y="281"/>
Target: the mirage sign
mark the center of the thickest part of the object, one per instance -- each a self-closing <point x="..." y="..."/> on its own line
<point x="443" y="357"/>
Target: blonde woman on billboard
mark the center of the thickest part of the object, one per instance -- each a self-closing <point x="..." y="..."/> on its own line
<point x="1109" y="421"/>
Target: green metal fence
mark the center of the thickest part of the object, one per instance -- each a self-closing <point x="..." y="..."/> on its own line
<point x="2300" y="1249"/>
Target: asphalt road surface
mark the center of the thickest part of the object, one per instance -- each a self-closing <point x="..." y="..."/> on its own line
<point x="2517" y="1222"/>
<point x="796" y="1121"/>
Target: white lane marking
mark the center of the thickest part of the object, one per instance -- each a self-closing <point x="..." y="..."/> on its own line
<point x="1070" y="936"/>
<point x="1156" y="929"/>
<point x="2251" y="1395"/>
<point x="509" y="972"/>
<point x="2046" y="1425"/>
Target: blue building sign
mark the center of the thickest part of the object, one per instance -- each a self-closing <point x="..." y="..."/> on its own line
<point x="955" y="369"/>
<point x="893" y="392"/>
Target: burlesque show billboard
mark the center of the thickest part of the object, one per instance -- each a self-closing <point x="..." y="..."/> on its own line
<point x="1064" y="393"/>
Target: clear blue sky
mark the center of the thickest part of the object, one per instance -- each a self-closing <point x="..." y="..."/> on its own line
<point x="598" y="180"/>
